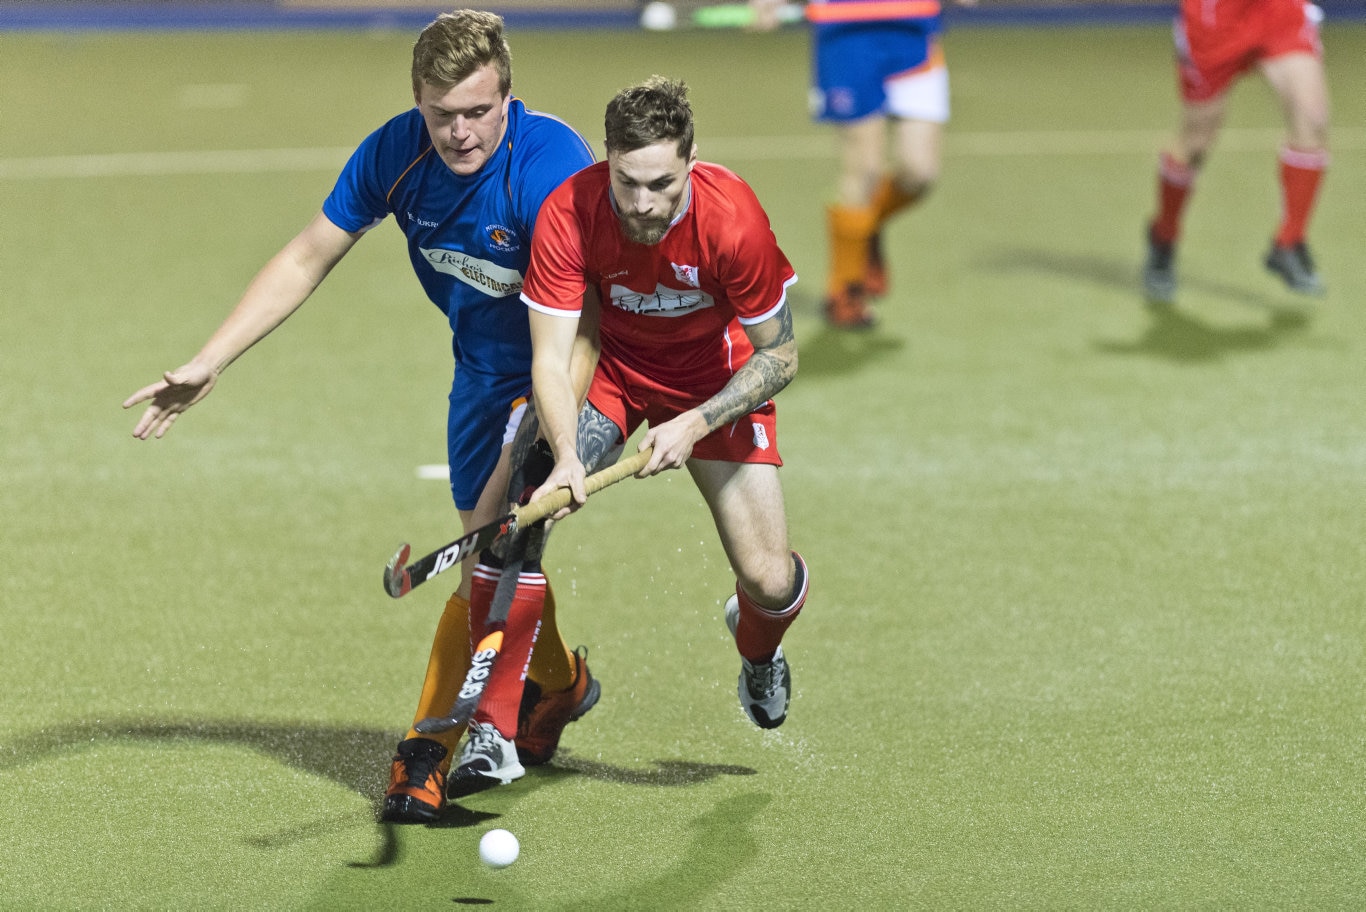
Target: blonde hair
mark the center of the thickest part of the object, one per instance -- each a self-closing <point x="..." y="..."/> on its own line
<point x="454" y="45"/>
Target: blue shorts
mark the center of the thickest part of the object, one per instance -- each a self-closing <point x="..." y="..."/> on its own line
<point x="476" y="428"/>
<point x="853" y="63"/>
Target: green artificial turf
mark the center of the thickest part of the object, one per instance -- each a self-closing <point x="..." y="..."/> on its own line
<point x="1085" y="628"/>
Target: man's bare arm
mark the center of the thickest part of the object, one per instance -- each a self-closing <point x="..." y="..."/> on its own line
<point x="769" y="369"/>
<point x="554" y="339"/>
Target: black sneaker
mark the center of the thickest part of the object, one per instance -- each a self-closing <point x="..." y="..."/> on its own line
<point x="1294" y="265"/>
<point x="1159" y="271"/>
<point x="417" y="784"/>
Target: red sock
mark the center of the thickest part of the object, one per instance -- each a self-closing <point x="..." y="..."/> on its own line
<point x="1301" y="172"/>
<point x="1174" y="183"/>
<point x="482" y="586"/>
<point x="503" y="693"/>
<point x="760" y="631"/>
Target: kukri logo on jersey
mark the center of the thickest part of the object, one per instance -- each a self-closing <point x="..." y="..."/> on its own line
<point x="490" y="278"/>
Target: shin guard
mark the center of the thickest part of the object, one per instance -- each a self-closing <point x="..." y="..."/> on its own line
<point x="760" y="631"/>
<point x="503" y="694"/>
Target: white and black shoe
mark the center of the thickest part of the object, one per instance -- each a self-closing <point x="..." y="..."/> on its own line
<point x="488" y="759"/>
<point x="765" y="688"/>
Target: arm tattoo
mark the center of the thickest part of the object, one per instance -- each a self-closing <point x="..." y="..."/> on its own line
<point x="599" y="444"/>
<point x="599" y="439"/>
<point x="769" y="369"/>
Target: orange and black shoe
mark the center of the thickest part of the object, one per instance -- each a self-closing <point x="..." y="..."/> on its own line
<point x="417" y="783"/>
<point x="543" y="716"/>
<point x="849" y="309"/>
<point x="875" y="281"/>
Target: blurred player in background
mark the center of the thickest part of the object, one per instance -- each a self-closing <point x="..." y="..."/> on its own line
<point x="879" y="76"/>
<point x="1217" y="42"/>
<point x="696" y="338"/>
<point x="464" y="174"/>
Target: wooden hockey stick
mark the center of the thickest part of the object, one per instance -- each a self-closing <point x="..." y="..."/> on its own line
<point x="400" y="577"/>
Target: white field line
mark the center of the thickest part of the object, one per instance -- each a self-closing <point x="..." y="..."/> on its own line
<point x="162" y="164"/>
<point x="749" y="148"/>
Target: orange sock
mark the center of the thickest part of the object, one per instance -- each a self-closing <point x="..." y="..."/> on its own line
<point x="760" y="631"/>
<point x="552" y="664"/>
<point x="503" y="693"/>
<point x="1174" y="183"/>
<point x="446" y="668"/>
<point x="889" y="199"/>
<point x="1301" y="172"/>
<point x="849" y="230"/>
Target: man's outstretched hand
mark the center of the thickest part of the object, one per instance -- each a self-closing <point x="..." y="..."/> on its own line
<point x="174" y="393"/>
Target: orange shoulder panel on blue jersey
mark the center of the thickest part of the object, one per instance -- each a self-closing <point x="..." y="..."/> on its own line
<point x="829" y="11"/>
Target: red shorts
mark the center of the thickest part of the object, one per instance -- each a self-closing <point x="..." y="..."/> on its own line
<point x="628" y="398"/>
<point x="1217" y="41"/>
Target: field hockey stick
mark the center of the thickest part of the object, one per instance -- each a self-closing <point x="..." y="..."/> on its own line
<point x="486" y="653"/>
<point x="400" y="577"/>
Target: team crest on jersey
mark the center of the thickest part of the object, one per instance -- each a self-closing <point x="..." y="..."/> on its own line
<point x="686" y="274"/>
<point x="502" y="238"/>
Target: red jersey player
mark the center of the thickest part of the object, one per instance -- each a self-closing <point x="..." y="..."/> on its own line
<point x="1217" y="42"/>
<point x="696" y="339"/>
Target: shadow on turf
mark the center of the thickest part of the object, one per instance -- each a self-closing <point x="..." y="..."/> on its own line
<point x="351" y="757"/>
<point x="1172" y="334"/>
<point x="829" y="351"/>
<point x="355" y="758"/>
<point x="722" y="844"/>
<point x="664" y="774"/>
<point x="1184" y="339"/>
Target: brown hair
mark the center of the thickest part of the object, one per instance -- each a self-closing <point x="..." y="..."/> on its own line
<point x="456" y="44"/>
<point x="653" y="111"/>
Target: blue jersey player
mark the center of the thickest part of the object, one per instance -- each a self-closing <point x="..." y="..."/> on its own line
<point x="463" y="174"/>
<point x="879" y="77"/>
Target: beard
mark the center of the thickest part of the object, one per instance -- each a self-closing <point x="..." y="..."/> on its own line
<point x="642" y="231"/>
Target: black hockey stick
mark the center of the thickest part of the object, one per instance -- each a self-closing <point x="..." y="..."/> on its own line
<point x="486" y="653"/>
<point x="400" y="578"/>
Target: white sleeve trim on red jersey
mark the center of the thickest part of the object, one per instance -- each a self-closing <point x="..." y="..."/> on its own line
<point x="552" y="311"/>
<point x="750" y="321"/>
